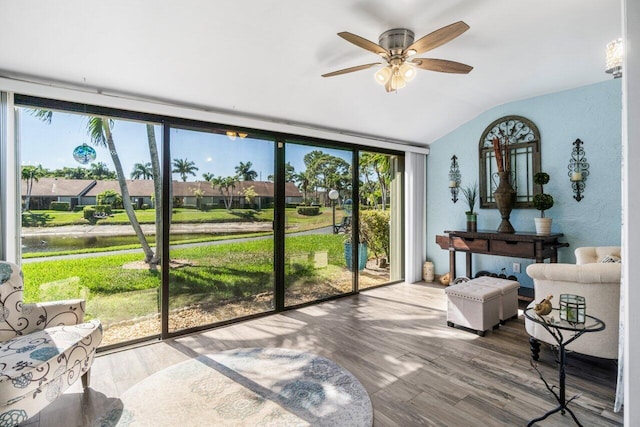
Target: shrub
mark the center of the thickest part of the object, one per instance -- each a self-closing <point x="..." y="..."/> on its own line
<point x="109" y="197"/>
<point x="374" y="228"/>
<point x="309" y="210"/>
<point x="89" y="212"/>
<point x="60" y="206"/>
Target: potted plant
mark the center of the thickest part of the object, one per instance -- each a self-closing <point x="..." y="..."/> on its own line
<point x="348" y="249"/>
<point x="542" y="202"/>
<point x="471" y="195"/>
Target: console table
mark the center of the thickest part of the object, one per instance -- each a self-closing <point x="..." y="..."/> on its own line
<point x="517" y="245"/>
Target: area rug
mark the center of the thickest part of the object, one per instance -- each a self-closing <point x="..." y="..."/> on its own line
<point x="246" y="387"/>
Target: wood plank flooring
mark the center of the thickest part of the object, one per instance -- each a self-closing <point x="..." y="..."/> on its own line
<point x="394" y="339"/>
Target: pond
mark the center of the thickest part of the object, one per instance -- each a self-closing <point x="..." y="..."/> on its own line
<point x="53" y="243"/>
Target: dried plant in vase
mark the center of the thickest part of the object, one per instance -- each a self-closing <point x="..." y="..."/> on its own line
<point x="505" y="195"/>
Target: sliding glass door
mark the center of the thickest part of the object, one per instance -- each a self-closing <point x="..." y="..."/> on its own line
<point x="223" y="204"/>
<point x="318" y="231"/>
<point x="381" y="217"/>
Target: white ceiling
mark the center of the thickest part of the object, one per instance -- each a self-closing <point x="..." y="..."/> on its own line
<point x="264" y="58"/>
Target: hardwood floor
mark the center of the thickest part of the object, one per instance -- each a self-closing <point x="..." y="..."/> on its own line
<point x="394" y="339"/>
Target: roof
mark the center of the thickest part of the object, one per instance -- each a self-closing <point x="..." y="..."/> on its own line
<point x="61" y="187"/>
<point x="58" y="187"/>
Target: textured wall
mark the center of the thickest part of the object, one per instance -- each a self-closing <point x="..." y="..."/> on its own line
<point x="591" y="113"/>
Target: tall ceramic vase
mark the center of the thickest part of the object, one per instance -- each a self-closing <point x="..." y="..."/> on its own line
<point x="505" y="197"/>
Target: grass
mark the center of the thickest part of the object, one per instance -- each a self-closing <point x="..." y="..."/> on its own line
<point x="51" y="218"/>
<point x="218" y="272"/>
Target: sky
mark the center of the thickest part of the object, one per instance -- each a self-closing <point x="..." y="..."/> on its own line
<point x="51" y="145"/>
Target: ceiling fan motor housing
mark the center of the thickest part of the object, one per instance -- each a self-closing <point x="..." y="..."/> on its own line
<point x="396" y="40"/>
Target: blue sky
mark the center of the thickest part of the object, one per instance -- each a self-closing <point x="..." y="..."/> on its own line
<point x="52" y="145"/>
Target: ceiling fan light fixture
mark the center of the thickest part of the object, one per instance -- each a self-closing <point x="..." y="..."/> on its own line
<point x="407" y="71"/>
<point x="397" y="81"/>
<point x="382" y="75"/>
<point x="398" y="46"/>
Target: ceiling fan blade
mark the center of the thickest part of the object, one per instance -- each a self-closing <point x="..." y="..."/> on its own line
<point x="351" y="69"/>
<point x="438" y="37"/>
<point x="441" y="65"/>
<point x="364" y="43"/>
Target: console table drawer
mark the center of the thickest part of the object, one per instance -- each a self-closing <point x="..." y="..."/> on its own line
<point x="513" y="248"/>
<point x="470" y="245"/>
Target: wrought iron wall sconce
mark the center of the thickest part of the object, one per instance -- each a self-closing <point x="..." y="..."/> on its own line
<point x="454" y="178"/>
<point x="578" y="170"/>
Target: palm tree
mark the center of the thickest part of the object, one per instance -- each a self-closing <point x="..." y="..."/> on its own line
<point x="304" y="179"/>
<point x="184" y="167"/>
<point x="245" y="173"/>
<point x="208" y="176"/>
<point x="99" y="129"/>
<point x="157" y="191"/>
<point x="380" y="165"/>
<point x="100" y="133"/>
<point x="31" y="174"/>
<point x="142" y="171"/>
<point x="99" y="171"/>
<point x="226" y="187"/>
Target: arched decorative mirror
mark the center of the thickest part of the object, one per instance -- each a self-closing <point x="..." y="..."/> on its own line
<point x="522" y="138"/>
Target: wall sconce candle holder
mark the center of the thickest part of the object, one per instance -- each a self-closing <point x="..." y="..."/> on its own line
<point x="578" y="170"/>
<point x="615" y="54"/>
<point x="454" y="178"/>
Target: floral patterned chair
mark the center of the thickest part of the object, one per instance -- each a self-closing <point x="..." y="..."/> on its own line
<point x="44" y="349"/>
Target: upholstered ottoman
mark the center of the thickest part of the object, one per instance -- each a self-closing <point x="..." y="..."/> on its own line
<point x="475" y="307"/>
<point x="508" y="295"/>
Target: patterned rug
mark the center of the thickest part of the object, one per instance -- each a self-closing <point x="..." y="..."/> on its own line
<point x="246" y="387"/>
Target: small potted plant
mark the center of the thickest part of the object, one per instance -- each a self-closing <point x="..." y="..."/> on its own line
<point x="348" y="248"/>
<point x="471" y="195"/>
<point x="542" y="202"/>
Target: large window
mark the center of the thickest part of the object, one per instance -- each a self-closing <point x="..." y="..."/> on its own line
<point x="89" y="217"/>
<point x="166" y="225"/>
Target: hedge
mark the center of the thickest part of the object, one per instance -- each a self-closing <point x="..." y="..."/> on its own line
<point x="309" y="210"/>
<point x="60" y="206"/>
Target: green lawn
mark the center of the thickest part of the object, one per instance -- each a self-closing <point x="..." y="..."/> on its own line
<point x="215" y="273"/>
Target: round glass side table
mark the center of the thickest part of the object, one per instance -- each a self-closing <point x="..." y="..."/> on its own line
<point x="564" y="333"/>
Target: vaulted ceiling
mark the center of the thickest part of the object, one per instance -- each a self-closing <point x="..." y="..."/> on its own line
<point x="264" y="58"/>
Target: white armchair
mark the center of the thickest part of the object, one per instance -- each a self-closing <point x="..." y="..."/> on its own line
<point x="598" y="282"/>
<point x="44" y="349"/>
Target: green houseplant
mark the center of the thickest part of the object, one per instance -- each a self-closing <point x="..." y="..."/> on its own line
<point x="542" y="202"/>
<point x="471" y="195"/>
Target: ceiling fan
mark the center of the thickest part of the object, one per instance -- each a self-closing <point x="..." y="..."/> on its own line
<point x="397" y="47"/>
